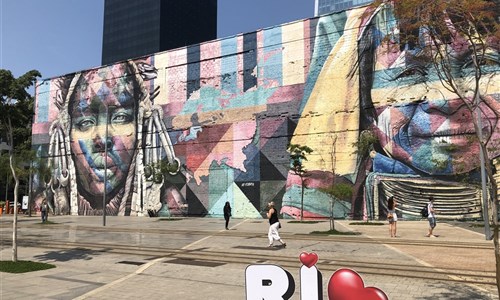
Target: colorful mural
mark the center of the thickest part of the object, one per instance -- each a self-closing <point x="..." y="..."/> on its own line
<point x="182" y="132"/>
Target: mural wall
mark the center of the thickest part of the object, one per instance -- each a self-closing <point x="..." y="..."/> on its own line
<point x="182" y="132"/>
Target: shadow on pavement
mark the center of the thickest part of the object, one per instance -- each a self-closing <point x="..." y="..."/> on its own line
<point x="67" y="255"/>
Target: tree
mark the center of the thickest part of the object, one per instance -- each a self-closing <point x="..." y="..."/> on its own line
<point x="298" y="154"/>
<point x="470" y="26"/>
<point x="337" y="191"/>
<point x="16" y="107"/>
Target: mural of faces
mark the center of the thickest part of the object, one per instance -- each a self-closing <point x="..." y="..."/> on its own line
<point x="103" y="100"/>
<point x="424" y="125"/>
<point x="225" y="119"/>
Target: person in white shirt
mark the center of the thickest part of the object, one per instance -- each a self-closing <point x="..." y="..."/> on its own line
<point x="431" y="217"/>
<point x="392" y="217"/>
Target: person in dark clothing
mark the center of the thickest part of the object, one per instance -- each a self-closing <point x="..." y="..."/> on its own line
<point x="274" y="225"/>
<point x="44" y="209"/>
<point x="227" y="213"/>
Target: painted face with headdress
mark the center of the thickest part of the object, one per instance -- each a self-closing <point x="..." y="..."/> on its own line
<point x="103" y="106"/>
<point x="417" y="120"/>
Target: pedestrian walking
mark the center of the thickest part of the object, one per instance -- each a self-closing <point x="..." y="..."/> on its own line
<point x="44" y="210"/>
<point x="274" y="225"/>
<point x="431" y="217"/>
<point x="392" y="217"/>
<point x="227" y="213"/>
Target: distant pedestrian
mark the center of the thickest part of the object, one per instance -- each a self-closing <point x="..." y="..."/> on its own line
<point x="44" y="209"/>
<point x="274" y="225"/>
<point x="431" y="217"/>
<point x="227" y="213"/>
<point x="392" y="217"/>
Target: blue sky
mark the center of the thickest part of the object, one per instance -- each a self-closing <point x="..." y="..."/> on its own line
<point x="58" y="37"/>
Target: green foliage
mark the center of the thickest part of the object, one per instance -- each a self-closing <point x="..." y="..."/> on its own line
<point x="367" y="223"/>
<point x="305" y="222"/>
<point x="16" y="104"/>
<point x="4" y="167"/>
<point x="341" y="191"/>
<point x="16" y="112"/>
<point x="15" y="88"/>
<point x="298" y="154"/>
<point x="23" y="266"/>
<point x="16" y="109"/>
<point x="22" y="164"/>
<point x="335" y="232"/>
<point x="365" y="142"/>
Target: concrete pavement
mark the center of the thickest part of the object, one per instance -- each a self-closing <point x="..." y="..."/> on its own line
<point x="195" y="258"/>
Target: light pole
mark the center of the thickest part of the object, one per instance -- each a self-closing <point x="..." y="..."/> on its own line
<point x="105" y="167"/>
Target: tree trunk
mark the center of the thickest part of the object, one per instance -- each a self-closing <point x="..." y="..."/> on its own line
<point x="497" y="247"/>
<point x="16" y="187"/>
<point x="302" y="199"/>
<point x="332" y="220"/>
<point x="493" y="198"/>
<point x="494" y="219"/>
<point x="14" y="223"/>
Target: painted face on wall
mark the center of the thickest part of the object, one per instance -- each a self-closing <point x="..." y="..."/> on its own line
<point x="103" y="104"/>
<point x="424" y="125"/>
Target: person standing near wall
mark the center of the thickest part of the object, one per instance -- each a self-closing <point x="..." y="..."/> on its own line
<point x="274" y="225"/>
<point x="44" y="209"/>
<point x="392" y="217"/>
<point x="227" y="213"/>
<point x="431" y="217"/>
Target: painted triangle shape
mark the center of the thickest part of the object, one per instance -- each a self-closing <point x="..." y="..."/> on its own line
<point x="242" y="207"/>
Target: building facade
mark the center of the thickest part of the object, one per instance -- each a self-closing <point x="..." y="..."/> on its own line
<point x="135" y="28"/>
<point x="322" y="7"/>
<point x="184" y="131"/>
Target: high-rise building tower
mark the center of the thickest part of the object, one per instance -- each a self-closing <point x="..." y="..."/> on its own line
<point x="328" y="6"/>
<point x="134" y="28"/>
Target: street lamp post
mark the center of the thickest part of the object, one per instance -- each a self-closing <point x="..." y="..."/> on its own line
<point x="105" y="168"/>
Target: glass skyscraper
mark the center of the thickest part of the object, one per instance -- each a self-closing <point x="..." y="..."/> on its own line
<point x="328" y="6"/>
<point x="135" y="28"/>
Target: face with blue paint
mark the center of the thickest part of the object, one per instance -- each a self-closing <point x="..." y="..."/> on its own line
<point x="103" y="100"/>
<point x="424" y="125"/>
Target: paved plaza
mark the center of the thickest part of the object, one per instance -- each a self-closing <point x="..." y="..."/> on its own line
<point x="196" y="258"/>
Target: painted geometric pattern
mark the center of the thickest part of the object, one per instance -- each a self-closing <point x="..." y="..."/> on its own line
<point x="183" y="132"/>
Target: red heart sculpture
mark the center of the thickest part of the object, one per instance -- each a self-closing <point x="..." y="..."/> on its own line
<point x="346" y="284"/>
<point x="308" y="259"/>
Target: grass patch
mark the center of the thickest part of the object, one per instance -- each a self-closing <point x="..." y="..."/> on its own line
<point x="23" y="266"/>
<point x="367" y="223"/>
<point x="305" y="222"/>
<point x="335" y="232"/>
<point x="169" y="219"/>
